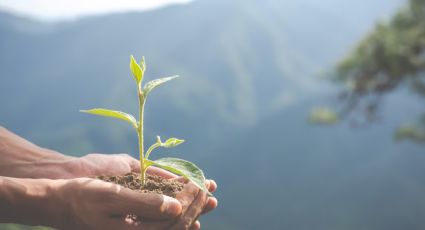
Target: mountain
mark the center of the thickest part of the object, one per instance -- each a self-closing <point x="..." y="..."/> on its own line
<point x="245" y="60"/>
<point x="250" y="73"/>
<point x="235" y="45"/>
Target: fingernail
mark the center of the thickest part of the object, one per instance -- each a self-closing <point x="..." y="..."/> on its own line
<point x="196" y="225"/>
<point x="212" y="185"/>
<point x="213" y="182"/>
<point x="213" y="201"/>
<point x="172" y="206"/>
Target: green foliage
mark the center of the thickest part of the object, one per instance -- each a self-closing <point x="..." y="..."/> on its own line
<point x="172" y="142"/>
<point x="137" y="70"/>
<point x="390" y="56"/>
<point x="324" y="116"/>
<point x="155" y="83"/>
<point x="112" y="113"/>
<point x="393" y="53"/>
<point x="178" y="166"/>
<point x="410" y="132"/>
<point x="184" y="168"/>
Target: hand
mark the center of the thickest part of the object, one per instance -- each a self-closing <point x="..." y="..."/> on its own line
<point x="85" y="203"/>
<point x="95" y="164"/>
<point x="94" y="204"/>
<point x="194" y="201"/>
<point x="118" y="164"/>
<point x="22" y="159"/>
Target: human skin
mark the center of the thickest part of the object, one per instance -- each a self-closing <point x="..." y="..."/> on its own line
<point x="22" y="159"/>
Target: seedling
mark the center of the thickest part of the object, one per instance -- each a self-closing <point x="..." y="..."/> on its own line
<point x="175" y="165"/>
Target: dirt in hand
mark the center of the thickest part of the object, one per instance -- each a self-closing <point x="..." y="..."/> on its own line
<point x="154" y="184"/>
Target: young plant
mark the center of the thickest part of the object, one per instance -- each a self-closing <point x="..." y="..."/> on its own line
<point x="175" y="165"/>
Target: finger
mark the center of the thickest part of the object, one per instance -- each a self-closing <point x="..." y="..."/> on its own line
<point x="137" y="223"/>
<point x="212" y="186"/>
<point x="129" y="223"/>
<point x="115" y="164"/>
<point x="134" y="165"/>
<point x="211" y="204"/>
<point x="145" y="205"/>
<point x="117" y="223"/>
<point x="160" y="172"/>
<point x="193" y="212"/>
<point x="187" y="195"/>
<point x="132" y="162"/>
<point x="196" y="225"/>
<point x="197" y="206"/>
<point x="182" y="180"/>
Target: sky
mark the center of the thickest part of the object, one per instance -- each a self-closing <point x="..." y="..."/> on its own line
<point x="54" y="10"/>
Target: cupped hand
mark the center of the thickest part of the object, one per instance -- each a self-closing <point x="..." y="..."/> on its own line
<point x="210" y="184"/>
<point x="94" y="164"/>
<point x="194" y="201"/>
<point x="85" y="203"/>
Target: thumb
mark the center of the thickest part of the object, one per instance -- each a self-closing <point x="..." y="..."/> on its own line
<point x="134" y="165"/>
<point x="132" y="162"/>
<point x="146" y="205"/>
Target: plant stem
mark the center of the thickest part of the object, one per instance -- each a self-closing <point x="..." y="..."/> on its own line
<point x="140" y="135"/>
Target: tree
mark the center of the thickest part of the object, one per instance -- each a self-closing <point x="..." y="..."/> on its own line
<point x="392" y="55"/>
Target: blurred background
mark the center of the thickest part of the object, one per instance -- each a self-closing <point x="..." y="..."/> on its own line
<point x="308" y="114"/>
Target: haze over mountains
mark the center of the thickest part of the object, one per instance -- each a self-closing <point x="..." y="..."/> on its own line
<point x="250" y="73"/>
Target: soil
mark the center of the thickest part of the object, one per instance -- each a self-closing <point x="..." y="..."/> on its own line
<point x="154" y="184"/>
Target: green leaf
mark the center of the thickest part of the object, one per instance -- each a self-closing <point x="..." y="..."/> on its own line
<point x="323" y="116"/>
<point x="143" y="64"/>
<point x="112" y="113"/>
<point x="184" y="168"/>
<point x="136" y="70"/>
<point x="171" y="142"/>
<point x="155" y="83"/>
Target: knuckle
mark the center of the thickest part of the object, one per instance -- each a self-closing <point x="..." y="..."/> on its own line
<point x="123" y="155"/>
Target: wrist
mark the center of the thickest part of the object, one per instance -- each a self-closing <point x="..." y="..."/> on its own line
<point x="30" y="201"/>
<point x="57" y="205"/>
<point x="23" y="159"/>
<point x="63" y="168"/>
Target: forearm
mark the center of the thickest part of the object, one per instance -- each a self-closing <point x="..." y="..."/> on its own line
<point x="21" y="158"/>
<point x="29" y="201"/>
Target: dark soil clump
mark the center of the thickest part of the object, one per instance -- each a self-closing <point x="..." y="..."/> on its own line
<point x="154" y="184"/>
